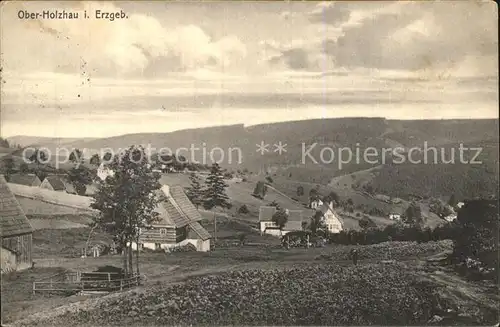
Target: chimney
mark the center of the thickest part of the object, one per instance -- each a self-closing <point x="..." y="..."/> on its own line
<point x="166" y="190"/>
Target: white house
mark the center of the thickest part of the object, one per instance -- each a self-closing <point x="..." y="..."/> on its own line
<point x="460" y="205"/>
<point x="103" y="172"/>
<point x="315" y="204"/>
<point x="450" y="218"/>
<point x="395" y="216"/>
<point x="267" y="226"/>
<point x="331" y="218"/>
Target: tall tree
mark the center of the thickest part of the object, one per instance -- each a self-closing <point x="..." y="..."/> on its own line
<point x="76" y="156"/>
<point x="127" y="201"/>
<point x="260" y="190"/>
<point x="80" y="177"/>
<point x="4" y="143"/>
<point x="195" y="191"/>
<point x="95" y="160"/>
<point x="215" y="192"/>
<point x="334" y="197"/>
<point x="452" y="201"/>
<point x="280" y="218"/>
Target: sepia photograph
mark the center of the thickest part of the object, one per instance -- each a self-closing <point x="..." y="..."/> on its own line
<point x="249" y="163"/>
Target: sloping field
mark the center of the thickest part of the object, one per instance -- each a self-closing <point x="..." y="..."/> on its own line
<point x="239" y="193"/>
<point x="59" y="221"/>
<point x="39" y="207"/>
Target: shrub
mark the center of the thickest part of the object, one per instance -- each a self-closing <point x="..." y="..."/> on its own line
<point x="243" y="209"/>
<point x="395" y="232"/>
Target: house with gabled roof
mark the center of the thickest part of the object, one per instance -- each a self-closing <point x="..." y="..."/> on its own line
<point x="177" y="224"/>
<point x="16" y="232"/>
<point x="58" y="183"/>
<point x="25" y="179"/>
<point x="332" y="220"/>
<point x="267" y="225"/>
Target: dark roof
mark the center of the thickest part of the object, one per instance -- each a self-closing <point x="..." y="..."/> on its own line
<point x="57" y="183"/>
<point x="12" y="218"/>
<point x="266" y="213"/>
<point x="24" y="179"/>
<point x="175" y="208"/>
<point x="187" y="207"/>
<point x="171" y="215"/>
<point x="199" y="230"/>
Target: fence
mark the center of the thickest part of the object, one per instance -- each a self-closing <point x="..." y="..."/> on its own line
<point x="85" y="282"/>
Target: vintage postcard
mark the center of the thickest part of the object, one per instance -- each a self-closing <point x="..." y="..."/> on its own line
<point x="214" y="163"/>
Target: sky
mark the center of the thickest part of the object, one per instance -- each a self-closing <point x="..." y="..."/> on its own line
<point x="174" y="65"/>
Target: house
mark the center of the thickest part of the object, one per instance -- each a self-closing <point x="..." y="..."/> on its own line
<point x="331" y="218"/>
<point x="267" y="225"/>
<point x="178" y="223"/>
<point x="103" y="171"/>
<point x="315" y="204"/>
<point x="25" y="179"/>
<point x="460" y="205"/>
<point x="451" y="217"/>
<point x="395" y="216"/>
<point x="16" y="232"/>
<point x="57" y="183"/>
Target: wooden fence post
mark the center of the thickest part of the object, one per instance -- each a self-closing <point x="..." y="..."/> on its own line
<point x="34" y="287"/>
<point x="109" y="277"/>
<point x="121" y="284"/>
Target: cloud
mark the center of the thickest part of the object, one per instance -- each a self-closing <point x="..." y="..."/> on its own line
<point x="430" y="36"/>
<point x="333" y="13"/>
<point x="296" y="55"/>
<point x="137" y="46"/>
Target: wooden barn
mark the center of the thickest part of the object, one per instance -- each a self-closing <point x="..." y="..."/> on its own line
<point x="57" y="183"/>
<point x="16" y="232"/>
<point x="178" y="223"/>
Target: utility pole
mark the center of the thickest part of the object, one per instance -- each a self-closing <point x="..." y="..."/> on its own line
<point x="215" y="226"/>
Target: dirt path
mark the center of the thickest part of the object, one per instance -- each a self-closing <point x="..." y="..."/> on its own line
<point x="461" y="291"/>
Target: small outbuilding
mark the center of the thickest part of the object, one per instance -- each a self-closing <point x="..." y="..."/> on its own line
<point x="16" y="232"/>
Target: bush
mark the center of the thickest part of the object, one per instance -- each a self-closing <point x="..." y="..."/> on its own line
<point x="243" y="209"/>
<point x="269" y="179"/>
